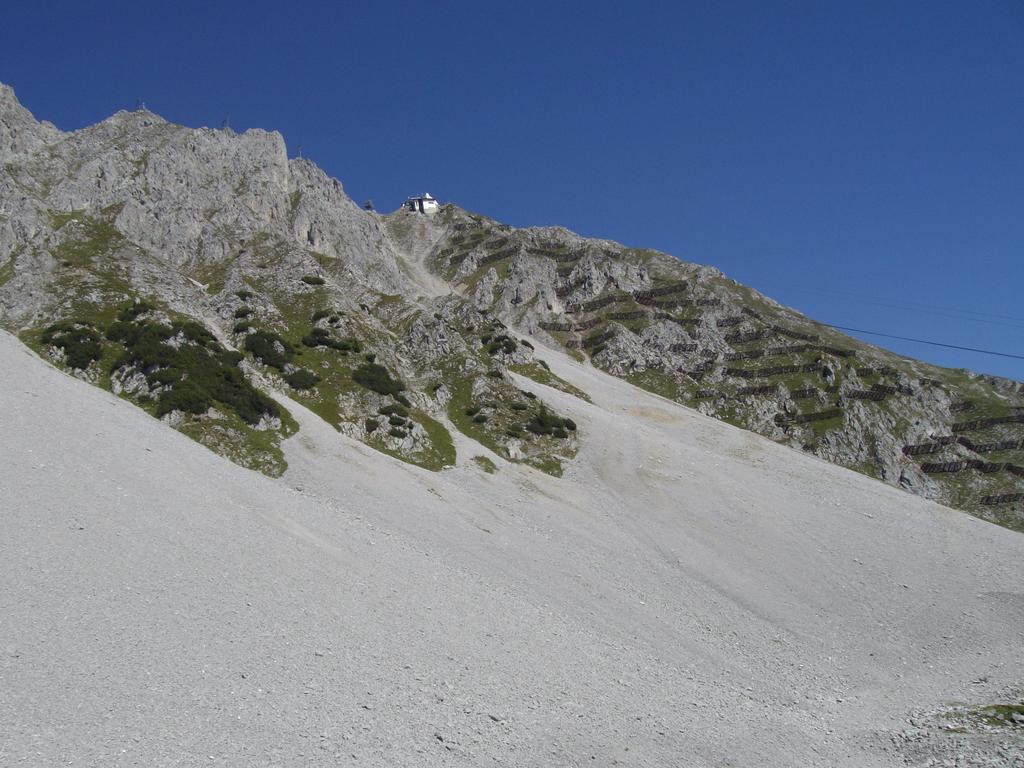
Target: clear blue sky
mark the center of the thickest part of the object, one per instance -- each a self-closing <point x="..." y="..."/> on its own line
<point x="840" y="157"/>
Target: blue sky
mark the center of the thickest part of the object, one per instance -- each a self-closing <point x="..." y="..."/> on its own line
<point x="862" y="162"/>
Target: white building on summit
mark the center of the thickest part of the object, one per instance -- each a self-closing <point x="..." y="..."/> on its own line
<point x="421" y="203"/>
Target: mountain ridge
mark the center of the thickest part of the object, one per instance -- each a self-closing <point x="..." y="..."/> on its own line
<point x="129" y="230"/>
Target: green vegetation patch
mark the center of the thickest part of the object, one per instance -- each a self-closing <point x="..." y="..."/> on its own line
<point x="224" y="433"/>
<point x="538" y="372"/>
<point x="93" y="236"/>
<point x="486" y="464"/>
<point x="80" y="341"/>
<point x="190" y="375"/>
<point x="377" y="379"/>
<point x="546" y="423"/>
<point x="7" y="268"/>
<point x="1001" y="717"/>
<point x="321" y="337"/>
<point x="59" y="218"/>
<point x="436" y="449"/>
<point x="270" y="349"/>
<point x="491" y="420"/>
<point x="500" y="343"/>
<point x="658" y="382"/>
<point x="302" y="379"/>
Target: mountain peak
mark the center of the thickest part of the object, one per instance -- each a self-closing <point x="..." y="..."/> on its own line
<point x="20" y="133"/>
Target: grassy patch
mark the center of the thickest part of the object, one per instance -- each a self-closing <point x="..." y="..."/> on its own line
<point x="486" y="464"/>
<point x="442" y="451"/>
<point x="225" y="433"/>
<point x="93" y="236"/>
<point x="1001" y="717"/>
<point x="542" y="375"/>
<point x="493" y="421"/>
<point x="7" y="268"/>
<point x="59" y="218"/>
<point x="658" y="382"/>
<point x="437" y="451"/>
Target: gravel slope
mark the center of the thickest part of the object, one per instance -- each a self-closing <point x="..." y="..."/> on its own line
<point x="689" y="594"/>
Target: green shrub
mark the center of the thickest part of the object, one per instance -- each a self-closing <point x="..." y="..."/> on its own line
<point x="526" y="344"/>
<point x="334" y="319"/>
<point x="320" y="314"/>
<point x="146" y="346"/>
<point x="377" y="379"/>
<point x="402" y="399"/>
<point x="396" y="432"/>
<point x="569" y="424"/>
<point x="80" y="341"/>
<point x="120" y="330"/>
<point x="396" y="421"/>
<point x="544" y="365"/>
<point x="193" y="331"/>
<point x="242" y="312"/>
<point x="321" y="337"/>
<point x="514" y="431"/>
<point x="392" y="410"/>
<point x="530" y="395"/>
<point x="187" y="398"/>
<point x="559" y="432"/>
<point x="480" y="418"/>
<point x="262" y="346"/>
<point x="371" y="425"/>
<point x="546" y="423"/>
<point x="501" y="344"/>
<point x="520" y="406"/>
<point x="473" y="410"/>
<point x="302" y="379"/>
<point x="495" y="374"/>
<point x="242" y="327"/>
<point x="244" y="295"/>
<point x="312" y="280"/>
<point x="371" y="358"/>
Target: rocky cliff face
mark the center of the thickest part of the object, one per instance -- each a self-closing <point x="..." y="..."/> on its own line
<point x="194" y="270"/>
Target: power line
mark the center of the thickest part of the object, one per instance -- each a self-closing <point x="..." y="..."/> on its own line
<point x="955" y="313"/>
<point x="923" y="341"/>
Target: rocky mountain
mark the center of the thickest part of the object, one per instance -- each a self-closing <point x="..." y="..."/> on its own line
<point x="207" y="278"/>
